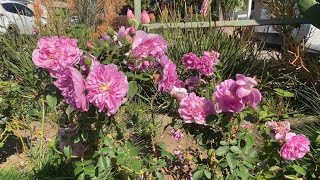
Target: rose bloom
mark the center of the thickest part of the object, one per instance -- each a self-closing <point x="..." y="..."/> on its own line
<point x="214" y="56"/>
<point x="145" y="19"/>
<point x="296" y="147"/>
<point x="246" y="91"/>
<point x="232" y="96"/>
<point x="72" y="86"/>
<point x="205" y="66"/>
<point x="148" y="45"/>
<point x="190" y="60"/>
<point x="130" y="14"/>
<point x="107" y="88"/>
<point x="195" y="109"/>
<point x="278" y="130"/>
<point x="226" y="97"/>
<point x="169" y="75"/>
<point x="54" y="53"/>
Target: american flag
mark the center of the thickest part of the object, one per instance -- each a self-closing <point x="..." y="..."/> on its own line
<point x="205" y="7"/>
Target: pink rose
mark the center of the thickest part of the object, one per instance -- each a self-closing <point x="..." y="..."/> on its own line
<point x="278" y="130"/>
<point x="232" y="96"/>
<point x="107" y="88"/>
<point x="205" y="66"/>
<point x="295" y="148"/>
<point x="213" y="55"/>
<point x="55" y="53"/>
<point x="130" y="14"/>
<point x="169" y="76"/>
<point x="145" y="19"/>
<point x="72" y="86"/>
<point x="147" y="45"/>
<point x="190" y="60"/>
<point x="246" y="91"/>
<point x="226" y="98"/>
<point x="195" y="109"/>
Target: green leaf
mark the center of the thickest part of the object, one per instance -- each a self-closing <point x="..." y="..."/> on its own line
<point x="318" y="139"/>
<point x="91" y="170"/>
<point x="231" y="161"/>
<point x="107" y="141"/>
<point x="52" y="101"/>
<point x="69" y="110"/>
<point x="134" y="151"/>
<point x="249" y="141"/>
<point x="78" y="170"/>
<point x="243" y="172"/>
<point x="299" y="170"/>
<point x="136" y="165"/>
<point x="160" y="175"/>
<point x="82" y="177"/>
<point x="67" y="151"/>
<point x="224" y="143"/>
<point x="121" y="159"/>
<point x="252" y="153"/>
<point x="248" y="164"/>
<point x="283" y="93"/>
<point x="207" y="174"/>
<point x="78" y="163"/>
<point x="222" y="150"/>
<point x="236" y="149"/>
<point x="143" y="77"/>
<point x="1" y="145"/>
<point x="263" y="114"/>
<point x="133" y="89"/>
<point x="129" y="74"/>
<point x="223" y="164"/>
<point x="198" y="174"/>
<point x="104" y="163"/>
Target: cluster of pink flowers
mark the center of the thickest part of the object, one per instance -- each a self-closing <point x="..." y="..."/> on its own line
<point x="295" y="146"/>
<point x="55" y="53"/>
<point x="195" y="109"/>
<point x="204" y="64"/>
<point x="232" y="95"/>
<point x="147" y="45"/>
<point x="106" y="86"/>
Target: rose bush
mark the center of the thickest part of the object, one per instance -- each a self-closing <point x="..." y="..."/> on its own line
<point x="100" y="84"/>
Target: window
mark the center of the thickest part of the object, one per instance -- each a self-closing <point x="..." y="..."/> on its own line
<point x="17" y="9"/>
<point x="9" y="7"/>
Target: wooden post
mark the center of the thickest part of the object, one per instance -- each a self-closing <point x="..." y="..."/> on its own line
<point x="137" y="9"/>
